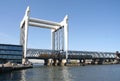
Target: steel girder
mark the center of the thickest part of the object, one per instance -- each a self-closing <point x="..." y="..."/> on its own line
<point x="38" y="52"/>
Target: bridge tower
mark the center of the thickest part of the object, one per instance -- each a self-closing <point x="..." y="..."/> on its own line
<point x="59" y="32"/>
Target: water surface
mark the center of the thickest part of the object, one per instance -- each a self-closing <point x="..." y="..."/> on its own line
<point x="74" y="73"/>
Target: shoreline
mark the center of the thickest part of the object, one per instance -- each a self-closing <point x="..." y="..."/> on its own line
<point x="9" y="68"/>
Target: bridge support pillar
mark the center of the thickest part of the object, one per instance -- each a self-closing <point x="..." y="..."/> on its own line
<point x="93" y="61"/>
<point x="62" y="62"/>
<point x="48" y="62"/>
<point x="96" y="61"/>
<point x="55" y="62"/>
<point x="45" y="61"/>
<point x="100" y="61"/>
<point x="109" y="61"/>
<point x="82" y="61"/>
<point x="112" y="61"/>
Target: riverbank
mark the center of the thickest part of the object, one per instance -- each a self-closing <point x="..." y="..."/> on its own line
<point x="12" y="67"/>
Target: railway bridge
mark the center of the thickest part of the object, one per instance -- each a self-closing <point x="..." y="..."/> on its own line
<point x="59" y="52"/>
<point x="57" y="57"/>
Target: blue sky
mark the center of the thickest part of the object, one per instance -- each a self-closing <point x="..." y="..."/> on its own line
<point x="94" y="25"/>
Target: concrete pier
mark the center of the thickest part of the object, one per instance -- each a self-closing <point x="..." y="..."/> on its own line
<point x="48" y="62"/>
<point x="63" y="62"/>
<point x="55" y="62"/>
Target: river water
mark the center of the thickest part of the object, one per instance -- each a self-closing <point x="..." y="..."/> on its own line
<point x="66" y="73"/>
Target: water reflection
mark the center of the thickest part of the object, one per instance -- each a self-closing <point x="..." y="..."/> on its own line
<point x="59" y="74"/>
<point x="66" y="74"/>
<point x="23" y="73"/>
<point x="41" y="73"/>
<point x="44" y="73"/>
<point x="11" y="76"/>
<point x="86" y="73"/>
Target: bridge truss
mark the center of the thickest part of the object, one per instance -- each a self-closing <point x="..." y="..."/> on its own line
<point x="43" y="53"/>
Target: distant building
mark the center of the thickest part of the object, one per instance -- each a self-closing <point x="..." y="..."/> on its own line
<point x="12" y="53"/>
